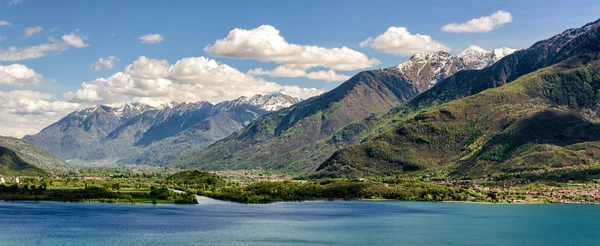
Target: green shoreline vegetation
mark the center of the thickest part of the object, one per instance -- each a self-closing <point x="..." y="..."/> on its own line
<point x="122" y="188"/>
<point x="159" y="188"/>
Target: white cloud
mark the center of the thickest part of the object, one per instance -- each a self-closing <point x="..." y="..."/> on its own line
<point x="301" y="92"/>
<point x="481" y="24"/>
<point x="75" y="40"/>
<point x="18" y="75"/>
<point x="188" y="80"/>
<point x="5" y="23"/>
<point x="151" y="38"/>
<point x="327" y="75"/>
<point x="152" y="101"/>
<point x="30" y="31"/>
<point x="27" y="112"/>
<point x="14" y="53"/>
<point x="33" y="102"/>
<point x="2" y="37"/>
<point x="398" y="41"/>
<point x="105" y="63"/>
<point x="290" y="72"/>
<point x="265" y="44"/>
<point x="280" y="71"/>
<point x="147" y="68"/>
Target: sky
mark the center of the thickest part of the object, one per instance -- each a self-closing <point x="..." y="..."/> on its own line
<point x="60" y="56"/>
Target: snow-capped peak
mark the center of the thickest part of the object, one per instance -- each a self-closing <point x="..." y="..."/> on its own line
<point x="273" y="102"/>
<point x="426" y="69"/>
<point x="502" y="52"/>
<point x="130" y="109"/>
<point x="134" y="106"/>
<point x="123" y="112"/>
<point x="473" y="49"/>
<point x="170" y="104"/>
<point x="269" y="102"/>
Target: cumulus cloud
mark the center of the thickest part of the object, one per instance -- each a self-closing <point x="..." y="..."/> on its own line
<point x="265" y="44"/>
<point x="14" y="53"/>
<point x="30" y="31"/>
<point x="188" y="80"/>
<point x="147" y="68"/>
<point x="300" y="92"/>
<point x="327" y="75"/>
<point x="481" y="24"/>
<point x="5" y="23"/>
<point x="398" y="41"/>
<point x="105" y="63"/>
<point x="27" y="112"/>
<point x="75" y="40"/>
<point x="33" y="102"/>
<point x="290" y="72"/>
<point x="151" y="38"/>
<point x="18" y="75"/>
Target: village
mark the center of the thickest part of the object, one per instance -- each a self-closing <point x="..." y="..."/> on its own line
<point x="523" y="191"/>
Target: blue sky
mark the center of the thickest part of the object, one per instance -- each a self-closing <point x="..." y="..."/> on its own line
<point x="113" y="28"/>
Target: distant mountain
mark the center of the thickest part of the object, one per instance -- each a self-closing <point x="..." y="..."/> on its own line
<point x="272" y="102"/>
<point x="539" y="120"/>
<point x="33" y="154"/>
<point x="424" y="70"/>
<point x="130" y="130"/>
<point x="475" y="57"/>
<point x="79" y="133"/>
<point x="541" y="54"/>
<point x="298" y="138"/>
<point x="13" y="165"/>
<point x="199" y="135"/>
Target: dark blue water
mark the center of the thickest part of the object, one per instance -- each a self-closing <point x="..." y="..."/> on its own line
<point x="316" y="223"/>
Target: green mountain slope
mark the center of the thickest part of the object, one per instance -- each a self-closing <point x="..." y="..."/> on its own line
<point x="12" y="165"/>
<point x="300" y="138"/>
<point x="570" y="43"/>
<point x="544" y="119"/>
<point x="33" y="154"/>
<point x="288" y="139"/>
<point x="560" y="47"/>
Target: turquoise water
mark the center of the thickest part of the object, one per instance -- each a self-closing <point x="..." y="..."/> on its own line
<point x="306" y="223"/>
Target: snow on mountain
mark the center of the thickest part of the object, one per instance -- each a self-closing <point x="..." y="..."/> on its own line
<point x="426" y="69"/>
<point x="271" y="102"/>
<point x="131" y="109"/>
<point x="476" y="57"/>
<point x="500" y="53"/>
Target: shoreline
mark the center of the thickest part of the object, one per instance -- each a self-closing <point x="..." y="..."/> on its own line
<point x="200" y="202"/>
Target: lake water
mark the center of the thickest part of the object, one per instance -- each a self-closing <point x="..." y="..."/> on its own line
<point x="306" y="223"/>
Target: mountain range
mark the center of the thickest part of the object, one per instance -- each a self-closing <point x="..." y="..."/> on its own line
<point x="534" y="109"/>
<point x="132" y="133"/>
<point x="475" y="113"/>
<point x="301" y="137"/>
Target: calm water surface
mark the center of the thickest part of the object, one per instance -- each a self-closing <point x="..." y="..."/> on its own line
<point x="307" y="223"/>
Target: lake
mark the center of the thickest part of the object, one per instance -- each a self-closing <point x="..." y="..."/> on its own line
<point x="300" y="223"/>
